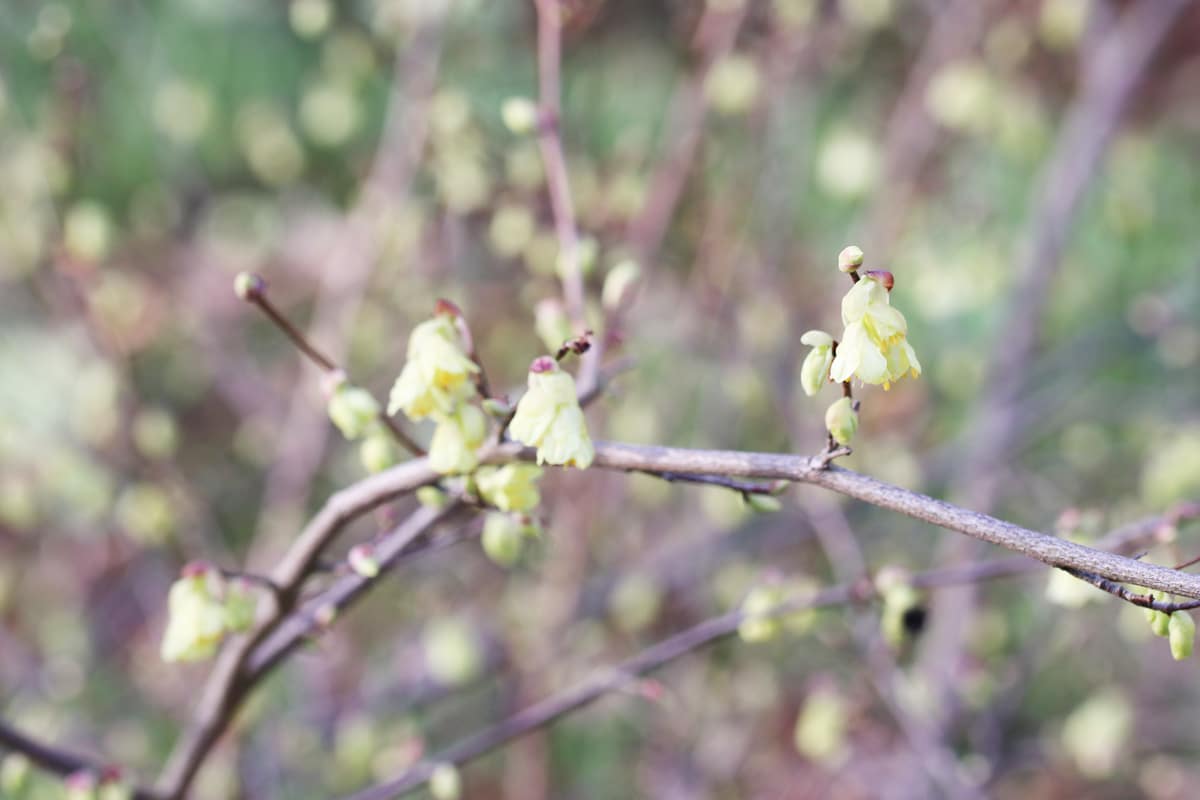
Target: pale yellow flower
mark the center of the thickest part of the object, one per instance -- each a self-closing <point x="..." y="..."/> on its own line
<point x="457" y="436"/>
<point x="814" y="372"/>
<point x="438" y="373"/>
<point x="512" y="487"/>
<point x="874" y="346"/>
<point x="353" y="410"/>
<point x="196" y="621"/>
<point x="549" y="417"/>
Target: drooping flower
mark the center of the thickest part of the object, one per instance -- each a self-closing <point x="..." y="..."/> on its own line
<point x="196" y="617"/>
<point x="438" y="372"/>
<point x="874" y="346"/>
<point x="814" y="372"/>
<point x="503" y="539"/>
<point x="457" y="436"/>
<point x="512" y="487"/>
<point x="549" y="417"/>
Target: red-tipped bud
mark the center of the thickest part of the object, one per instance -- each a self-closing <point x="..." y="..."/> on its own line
<point x="194" y="569"/>
<point x="883" y="276"/>
<point x="445" y="308"/>
<point x="248" y="286"/>
<point x="543" y="364"/>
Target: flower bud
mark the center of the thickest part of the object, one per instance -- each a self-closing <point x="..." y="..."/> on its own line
<point x="353" y="410"/>
<point x="445" y="783"/>
<point x="363" y="561"/>
<point x="520" y="115"/>
<point x="850" y="259"/>
<point x="502" y="539"/>
<point x="80" y="785"/>
<point x="551" y="323"/>
<point x="14" y="774"/>
<point x="762" y="503"/>
<point x="241" y="605"/>
<point x="248" y="286"/>
<point x="758" y="624"/>
<point x="1160" y="623"/>
<point x="114" y="786"/>
<point x="885" y="278"/>
<point x="378" y="452"/>
<point x="619" y="281"/>
<point x="841" y="420"/>
<point x="432" y="497"/>
<point x="1182" y="630"/>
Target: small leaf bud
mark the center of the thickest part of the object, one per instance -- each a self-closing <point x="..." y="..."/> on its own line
<point x="363" y="561"/>
<point x="520" y="115"/>
<point x="248" y="286"/>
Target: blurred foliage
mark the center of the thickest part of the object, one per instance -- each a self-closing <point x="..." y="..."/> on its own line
<point x="150" y="151"/>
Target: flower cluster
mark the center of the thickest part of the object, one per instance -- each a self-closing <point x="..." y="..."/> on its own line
<point x="549" y="417"/>
<point x="201" y="609"/>
<point x="874" y="346"/>
<point x="437" y="383"/>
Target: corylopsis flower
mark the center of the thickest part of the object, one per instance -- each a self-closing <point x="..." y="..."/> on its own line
<point x="438" y="373"/>
<point x="196" y="619"/>
<point x="814" y="372"/>
<point x="457" y="436"/>
<point x="874" y="346"/>
<point x="549" y="417"/>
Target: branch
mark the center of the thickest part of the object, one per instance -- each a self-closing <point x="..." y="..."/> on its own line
<point x="55" y="760"/>
<point x="610" y="679"/>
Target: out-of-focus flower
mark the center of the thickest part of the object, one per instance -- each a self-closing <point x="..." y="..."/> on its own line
<point x="363" y="561"/>
<point x="80" y="785"/>
<point x="196" y="620"/>
<point x="503" y="538"/>
<point x="549" y="417"/>
<point x="378" y="452"/>
<point x="512" y="487"/>
<point x="814" y="372"/>
<point x="457" y="436"/>
<point x="241" y="605"/>
<point x="445" y="783"/>
<point x="551" y="323"/>
<point x="1181" y="630"/>
<point x="874" y="346"/>
<point x="841" y="420"/>
<point x="437" y="374"/>
<point x="520" y="115"/>
<point x="619" y="281"/>
<point x="353" y="410"/>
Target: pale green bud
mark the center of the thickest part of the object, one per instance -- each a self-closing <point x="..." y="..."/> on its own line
<point x="620" y="279"/>
<point x="763" y="503"/>
<point x="520" y="115"/>
<point x="241" y="605"/>
<point x="363" y="561"/>
<point x="586" y="251"/>
<point x="502" y="539"/>
<point x="353" y="410"/>
<point x="1160" y="623"/>
<point x="247" y="285"/>
<point x="551" y="323"/>
<point x="14" y="774"/>
<point x="758" y="625"/>
<point x="841" y="420"/>
<point x="850" y="259"/>
<point x="378" y="452"/>
<point x="432" y="497"/>
<point x="1182" y="630"/>
<point x="497" y="409"/>
<point x="445" y="782"/>
<point x="452" y="651"/>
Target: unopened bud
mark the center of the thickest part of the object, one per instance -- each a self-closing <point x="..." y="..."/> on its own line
<point x="503" y="539"/>
<point x="1182" y="630"/>
<point x="850" y="259"/>
<point x="432" y="497"/>
<point x="620" y="279"/>
<point x="378" y="453"/>
<point x="248" y="286"/>
<point x="445" y="783"/>
<point x="353" y="410"/>
<point x="885" y="278"/>
<point x="841" y="420"/>
<point x="496" y="408"/>
<point x="363" y="561"/>
<point x="763" y="503"/>
<point x="520" y="115"/>
<point x="446" y="308"/>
